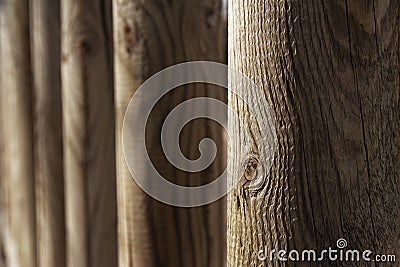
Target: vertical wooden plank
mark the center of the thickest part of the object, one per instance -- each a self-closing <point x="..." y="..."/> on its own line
<point x="18" y="216"/>
<point x="330" y="72"/>
<point x="150" y="36"/>
<point x="46" y="56"/>
<point x="2" y="255"/>
<point x="133" y="227"/>
<point x="88" y="121"/>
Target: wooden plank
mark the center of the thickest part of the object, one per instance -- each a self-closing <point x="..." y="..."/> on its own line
<point x="330" y="72"/>
<point x="17" y="178"/>
<point x="150" y="36"/>
<point x="88" y="128"/>
<point x="46" y="60"/>
<point x="2" y="253"/>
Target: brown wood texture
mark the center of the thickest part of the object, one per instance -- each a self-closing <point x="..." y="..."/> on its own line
<point x="49" y="189"/>
<point x="150" y="36"/>
<point x="17" y="180"/>
<point x="330" y="72"/>
<point x="88" y="133"/>
<point x="2" y="256"/>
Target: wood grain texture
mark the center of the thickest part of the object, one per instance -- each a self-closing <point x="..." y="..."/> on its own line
<point x="330" y="72"/>
<point x="49" y="189"/>
<point x="88" y="128"/>
<point x="2" y="204"/>
<point x="150" y="36"/>
<point x="17" y="179"/>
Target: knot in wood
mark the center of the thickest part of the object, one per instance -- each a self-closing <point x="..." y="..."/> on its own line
<point x="250" y="166"/>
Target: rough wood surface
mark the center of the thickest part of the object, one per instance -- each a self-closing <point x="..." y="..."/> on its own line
<point x="330" y="72"/>
<point x="88" y="128"/>
<point x="49" y="189"/>
<point x="16" y="158"/>
<point x="149" y="36"/>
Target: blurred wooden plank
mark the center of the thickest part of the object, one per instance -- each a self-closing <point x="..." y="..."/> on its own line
<point x="88" y="128"/>
<point x="17" y="179"/>
<point x="149" y="36"/>
<point x="50" y="219"/>
<point x="2" y="255"/>
<point x="134" y="247"/>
